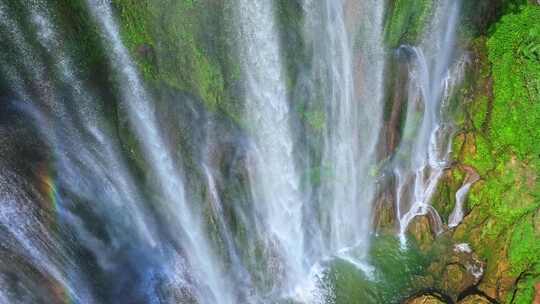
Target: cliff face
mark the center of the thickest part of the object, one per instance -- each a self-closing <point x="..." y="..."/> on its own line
<point x="496" y="150"/>
<point x="491" y="255"/>
<point x="488" y="198"/>
<point x="499" y="139"/>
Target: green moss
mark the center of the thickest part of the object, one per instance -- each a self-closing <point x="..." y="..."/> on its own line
<point x="81" y="35"/>
<point x="291" y="22"/>
<point x="316" y="119"/>
<point x="183" y="44"/>
<point x="514" y="51"/>
<point x="525" y="290"/>
<point x="525" y="247"/>
<point x="500" y="140"/>
<point x="524" y="255"/>
<point x="135" y="21"/>
<point x="406" y="21"/>
<point x="483" y="158"/>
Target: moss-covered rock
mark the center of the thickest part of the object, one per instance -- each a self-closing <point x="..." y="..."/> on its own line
<point x="187" y="45"/>
<point x="406" y="20"/>
<point x="420" y="230"/>
<point x="501" y="110"/>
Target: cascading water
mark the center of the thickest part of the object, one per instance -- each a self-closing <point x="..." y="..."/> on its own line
<point x="423" y="153"/>
<point x="276" y="191"/>
<point x="137" y="218"/>
<point x="353" y="118"/>
<point x="185" y="221"/>
<point x="458" y="213"/>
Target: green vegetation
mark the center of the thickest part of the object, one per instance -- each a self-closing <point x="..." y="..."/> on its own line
<point x="514" y="51"/>
<point x="501" y="141"/>
<point x="406" y="21"/>
<point x="525" y="258"/>
<point x="184" y="45"/>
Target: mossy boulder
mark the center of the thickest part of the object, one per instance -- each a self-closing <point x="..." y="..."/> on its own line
<point x="456" y="270"/>
<point x="420" y="230"/>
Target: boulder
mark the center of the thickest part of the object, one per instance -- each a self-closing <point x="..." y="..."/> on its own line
<point x="420" y="229"/>
<point x="456" y="270"/>
<point x="463" y="270"/>
<point x="474" y="299"/>
<point x="425" y="299"/>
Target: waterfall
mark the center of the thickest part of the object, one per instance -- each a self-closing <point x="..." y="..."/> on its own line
<point x="20" y="215"/>
<point x="105" y="153"/>
<point x="102" y="211"/>
<point x="353" y="105"/>
<point x="423" y="153"/>
<point x="273" y="173"/>
<point x="184" y="221"/>
<point x="458" y="213"/>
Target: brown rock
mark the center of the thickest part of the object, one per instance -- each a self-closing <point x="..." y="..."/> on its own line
<point x="455" y="279"/>
<point x="425" y="299"/>
<point x="421" y="229"/>
<point x="384" y="214"/>
<point x="145" y="51"/>
<point x="474" y="299"/>
<point x="537" y="294"/>
<point x="498" y="281"/>
<point x="457" y="269"/>
<point x="463" y="270"/>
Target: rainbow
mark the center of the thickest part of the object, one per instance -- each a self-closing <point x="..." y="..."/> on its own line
<point x="47" y="188"/>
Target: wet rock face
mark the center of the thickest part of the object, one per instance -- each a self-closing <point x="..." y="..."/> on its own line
<point x="384" y="220"/>
<point x="145" y="51"/>
<point x="420" y="229"/>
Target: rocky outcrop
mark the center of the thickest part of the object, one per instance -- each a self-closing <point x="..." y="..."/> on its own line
<point x="455" y="271"/>
<point x="493" y="150"/>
